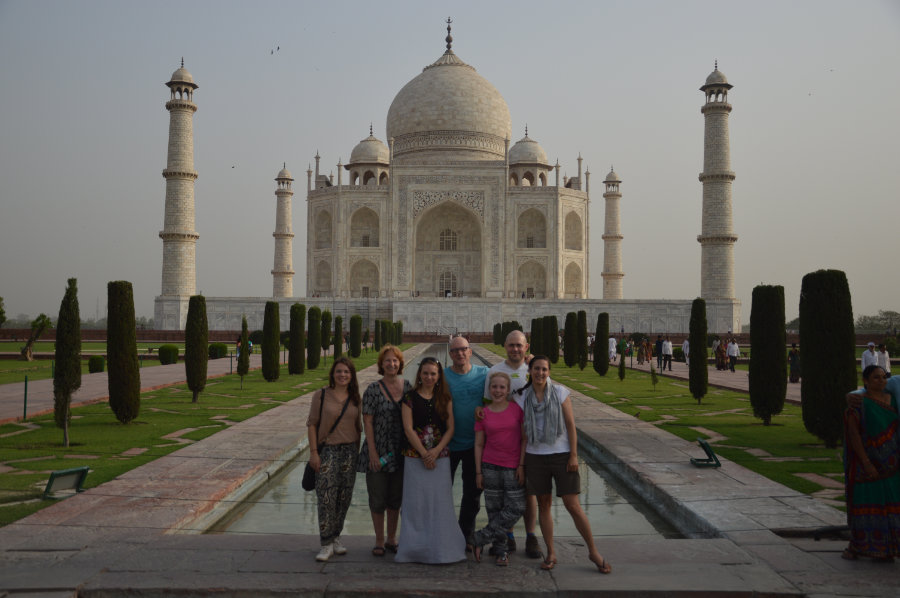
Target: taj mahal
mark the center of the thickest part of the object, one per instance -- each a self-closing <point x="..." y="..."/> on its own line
<point x="449" y="226"/>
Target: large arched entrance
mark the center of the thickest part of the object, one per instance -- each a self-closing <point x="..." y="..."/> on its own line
<point x="364" y="279"/>
<point x="447" y="255"/>
<point x="531" y="280"/>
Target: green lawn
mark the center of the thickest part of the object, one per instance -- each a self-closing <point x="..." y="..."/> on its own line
<point x="789" y="448"/>
<point x="99" y="441"/>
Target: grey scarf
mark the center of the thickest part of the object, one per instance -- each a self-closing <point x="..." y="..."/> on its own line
<point x="551" y="409"/>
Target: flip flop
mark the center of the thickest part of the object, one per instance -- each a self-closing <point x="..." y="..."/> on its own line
<point x="548" y="564"/>
<point x="378" y="551"/>
<point x="392" y="546"/>
<point x="603" y="567"/>
<point x="476" y="553"/>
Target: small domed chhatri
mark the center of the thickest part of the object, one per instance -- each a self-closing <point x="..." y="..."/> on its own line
<point x="612" y="177"/>
<point x="284" y="173"/>
<point x="527" y="150"/>
<point x="370" y="150"/>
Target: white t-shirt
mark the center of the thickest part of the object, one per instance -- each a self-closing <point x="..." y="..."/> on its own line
<point x="667" y="347"/>
<point x="869" y="358"/>
<point x="884" y="360"/>
<point x="518" y="378"/>
<point x="686" y="347"/>
<point x="562" y="442"/>
<point x="732" y="350"/>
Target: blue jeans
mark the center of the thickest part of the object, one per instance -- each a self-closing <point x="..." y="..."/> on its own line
<point x="471" y="495"/>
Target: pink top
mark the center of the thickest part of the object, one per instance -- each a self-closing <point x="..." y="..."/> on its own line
<point x="502" y="435"/>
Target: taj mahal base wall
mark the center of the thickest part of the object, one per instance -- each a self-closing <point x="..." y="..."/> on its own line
<point x="460" y="315"/>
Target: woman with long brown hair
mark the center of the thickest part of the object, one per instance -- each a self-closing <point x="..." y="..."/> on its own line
<point x="334" y="430"/>
<point x="429" y="532"/>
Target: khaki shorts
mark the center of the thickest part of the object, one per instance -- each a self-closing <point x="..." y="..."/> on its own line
<point x="541" y="469"/>
<point x="385" y="490"/>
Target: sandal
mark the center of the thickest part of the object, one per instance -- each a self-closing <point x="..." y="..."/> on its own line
<point x="502" y="560"/>
<point x="378" y="551"/>
<point x="548" y="564"/>
<point x="392" y="546"/>
<point x="603" y="566"/>
<point x="476" y="553"/>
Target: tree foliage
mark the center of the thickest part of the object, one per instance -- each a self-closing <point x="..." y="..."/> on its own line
<point x="536" y="336"/>
<point x="243" y="362"/>
<point x="550" y="338"/>
<point x="123" y="375"/>
<point x="698" y="372"/>
<point x="271" y="345"/>
<point x="497" y="335"/>
<point x="338" y="336"/>
<point x="297" y="340"/>
<point x="828" y="358"/>
<point x="38" y="326"/>
<point x="622" y="367"/>
<point x="601" y="348"/>
<point x="196" y="339"/>
<point x="582" y="339"/>
<point x="355" y="335"/>
<point x="325" y="335"/>
<point x="314" y="337"/>
<point x="885" y="320"/>
<point x="570" y="339"/>
<point x="67" y="373"/>
<point x="377" y="342"/>
<point x="768" y="367"/>
<point x="2" y="313"/>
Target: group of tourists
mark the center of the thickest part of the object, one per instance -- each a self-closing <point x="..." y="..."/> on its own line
<point x="510" y="430"/>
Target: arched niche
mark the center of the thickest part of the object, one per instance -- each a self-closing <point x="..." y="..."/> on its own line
<point x="364" y="228"/>
<point x="531" y="230"/>
<point x="459" y="229"/>
<point x="573" y="281"/>
<point x="364" y="279"/>
<point x="323" y="278"/>
<point x="574" y="234"/>
<point x="323" y="230"/>
<point x="531" y="280"/>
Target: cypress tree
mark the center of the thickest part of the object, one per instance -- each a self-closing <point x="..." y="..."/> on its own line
<point x="196" y="342"/>
<point x="535" y="340"/>
<point x="570" y="340"/>
<point x="365" y="340"/>
<point x="338" y="336"/>
<point x="377" y="342"/>
<point x="243" y="362"/>
<point x="498" y="340"/>
<point x="698" y="372"/>
<point x="622" y="367"/>
<point x="768" y="366"/>
<point x="314" y="337"/>
<point x="398" y="330"/>
<point x="326" y="333"/>
<point x="123" y="376"/>
<point x="387" y="332"/>
<point x="582" y="339"/>
<point x="828" y="359"/>
<point x="550" y="338"/>
<point x="601" y="351"/>
<point x="67" y="372"/>
<point x="271" y="344"/>
<point x="355" y="335"/>
<point x="297" y="341"/>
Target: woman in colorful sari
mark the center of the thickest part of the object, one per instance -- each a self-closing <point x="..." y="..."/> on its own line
<point x="872" y="470"/>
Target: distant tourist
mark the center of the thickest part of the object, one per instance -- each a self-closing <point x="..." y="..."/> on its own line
<point x="334" y="432"/>
<point x="380" y="456"/>
<point x="794" y="363"/>
<point x="612" y="348"/>
<point x="871" y="471"/>
<point x="869" y="357"/>
<point x="884" y="359"/>
<point x="658" y="349"/>
<point x="429" y="532"/>
<point x="733" y="352"/>
<point x="551" y="457"/>
<point x="667" y="354"/>
<point x="686" y="349"/>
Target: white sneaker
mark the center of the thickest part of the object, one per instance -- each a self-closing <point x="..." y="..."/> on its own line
<point x="339" y="549"/>
<point x="325" y="553"/>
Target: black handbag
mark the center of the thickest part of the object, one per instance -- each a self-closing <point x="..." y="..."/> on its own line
<point x="309" y="474"/>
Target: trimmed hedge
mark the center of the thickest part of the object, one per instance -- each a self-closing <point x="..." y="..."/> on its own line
<point x="124" y="378"/>
<point x="355" y="335"/>
<point x="698" y="372"/>
<point x="768" y="368"/>
<point x="96" y="363"/>
<point x="601" y="347"/>
<point x="168" y="354"/>
<point x="218" y="350"/>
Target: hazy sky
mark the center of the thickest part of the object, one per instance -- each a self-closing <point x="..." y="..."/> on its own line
<point x="815" y="130"/>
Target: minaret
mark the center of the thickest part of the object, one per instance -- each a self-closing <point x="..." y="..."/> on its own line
<point x="282" y="273"/>
<point x="179" y="267"/>
<point x="717" y="237"/>
<point x="612" y="239"/>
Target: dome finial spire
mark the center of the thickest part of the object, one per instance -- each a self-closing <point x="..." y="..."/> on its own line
<point x="370" y="130"/>
<point x="716" y="65"/>
<point x="182" y="62"/>
<point x="526" y="129"/>
<point x="449" y="38"/>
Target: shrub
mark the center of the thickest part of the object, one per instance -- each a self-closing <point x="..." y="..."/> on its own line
<point x="314" y="337"/>
<point x="698" y="372"/>
<point x="121" y="341"/>
<point x="256" y="337"/>
<point x="67" y="373"/>
<point x="601" y="347"/>
<point x="243" y="364"/>
<point x="297" y="340"/>
<point x="768" y="367"/>
<point x="677" y="354"/>
<point x="355" y="335"/>
<point x="398" y="332"/>
<point x="550" y="338"/>
<point x="218" y="350"/>
<point x="96" y="363"/>
<point x="338" y="336"/>
<point x="535" y="342"/>
<point x="271" y="342"/>
<point x="622" y="369"/>
<point x="828" y="358"/>
<point x="570" y="340"/>
<point x="196" y="346"/>
<point x="325" y="335"/>
<point x="168" y="354"/>
<point x="582" y="339"/>
<point x="498" y="340"/>
<point x="377" y="342"/>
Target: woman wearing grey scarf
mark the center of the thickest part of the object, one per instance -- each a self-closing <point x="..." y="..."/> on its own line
<point x="551" y="457"/>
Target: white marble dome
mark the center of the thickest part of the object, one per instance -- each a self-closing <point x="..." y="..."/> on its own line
<point x="370" y="150"/>
<point x="449" y="106"/>
<point x="181" y="75"/>
<point x="716" y="77"/>
<point x="612" y="177"/>
<point x="527" y="151"/>
<point x="284" y="173"/>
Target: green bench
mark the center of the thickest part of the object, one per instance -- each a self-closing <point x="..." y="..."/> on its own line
<point x="66" y="479"/>
<point x="711" y="459"/>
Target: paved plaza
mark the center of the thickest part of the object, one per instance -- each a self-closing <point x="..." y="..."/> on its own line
<point x="138" y="534"/>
